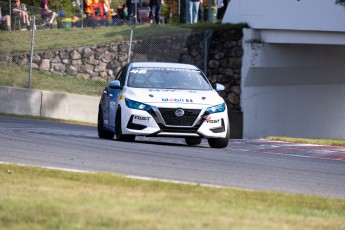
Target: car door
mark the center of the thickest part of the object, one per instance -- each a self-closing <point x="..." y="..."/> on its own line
<point x="105" y="104"/>
<point x="113" y="96"/>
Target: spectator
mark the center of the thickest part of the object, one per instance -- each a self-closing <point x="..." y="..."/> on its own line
<point x="6" y="21"/>
<point x="62" y="13"/>
<point x="193" y="11"/>
<point x="156" y="7"/>
<point x="19" y="9"/>
<point x="187" y="12"/>
<point x="130" y="9"/>
<point x="75" y="21"/>
<point x="46" y="14"/>
<point x="122" y="12"/>
<point x="201" y="12"/>
<point x="86" y="6"/>
<point x="106" y="7"/>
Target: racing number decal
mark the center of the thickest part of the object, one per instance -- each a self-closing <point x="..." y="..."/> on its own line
<point x="142" y="71"/>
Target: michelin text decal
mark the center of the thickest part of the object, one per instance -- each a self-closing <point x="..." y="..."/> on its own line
<point x="177" y="100"/>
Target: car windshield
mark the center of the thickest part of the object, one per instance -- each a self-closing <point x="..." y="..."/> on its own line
<point x="167" y="78"/>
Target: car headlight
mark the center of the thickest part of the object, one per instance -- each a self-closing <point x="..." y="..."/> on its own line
<point x="215" y="109"/>
<point x="136" y="105"/>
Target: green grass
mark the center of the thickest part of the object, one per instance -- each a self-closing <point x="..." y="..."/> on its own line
<point x="35" y="198"/>
<point x="331" y="142"/>
<point x="20" y="41"/>
<point x="18" y="76"/>
<point x="213" y="26"/>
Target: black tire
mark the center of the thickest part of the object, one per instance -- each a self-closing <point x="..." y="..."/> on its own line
<point x="192" y="140"/>
<point x="219" y="142"/>
<point x="118" y="130"/>
<point x="104" y="134"/>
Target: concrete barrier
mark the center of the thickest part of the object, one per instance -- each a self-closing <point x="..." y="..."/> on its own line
<point x="48" y="104"/>
<point x="70" y="106"/>
<point x="20" y="101"/>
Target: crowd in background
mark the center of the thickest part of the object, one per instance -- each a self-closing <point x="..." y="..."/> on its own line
<point x="138" y="11"/>
<point x="131" y="11"/>
<point x="20" y="15"/>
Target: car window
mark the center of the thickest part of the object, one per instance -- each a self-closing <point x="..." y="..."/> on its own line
<point x="167" y="78"/>
<point x="121" y="76"/>
<point x="119" y="73"/>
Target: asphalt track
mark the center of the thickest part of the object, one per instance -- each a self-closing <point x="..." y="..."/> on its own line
<point x="244" y="164"/>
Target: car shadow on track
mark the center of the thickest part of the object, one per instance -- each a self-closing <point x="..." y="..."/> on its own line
<point x="168" y="142"/>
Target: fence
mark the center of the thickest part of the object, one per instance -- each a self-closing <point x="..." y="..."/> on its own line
<point x="82" y="56"/>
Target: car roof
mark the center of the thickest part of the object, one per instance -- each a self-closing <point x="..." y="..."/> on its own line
<point x="164" y="64"/>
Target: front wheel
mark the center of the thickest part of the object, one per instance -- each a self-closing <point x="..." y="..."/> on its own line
<point x="102" y="133"/>
<point x="118" y="130"/>
<point x="220" y="142"/>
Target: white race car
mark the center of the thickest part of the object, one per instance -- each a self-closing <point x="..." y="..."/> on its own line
<point x="163" y="100"/>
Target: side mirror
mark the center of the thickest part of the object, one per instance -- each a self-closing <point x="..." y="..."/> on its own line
<point x="219" y="87"/>
<point x="115" y="84"/>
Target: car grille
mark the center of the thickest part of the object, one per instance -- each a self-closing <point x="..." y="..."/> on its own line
<point x="179" y="130"/>
<point x="188" y="119"/>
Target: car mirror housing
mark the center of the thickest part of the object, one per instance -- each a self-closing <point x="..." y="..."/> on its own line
<point x="115" y="84"/>
<point x="219" y="87"/>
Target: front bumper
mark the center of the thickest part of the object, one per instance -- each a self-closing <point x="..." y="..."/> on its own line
<point x="165" y="122"/>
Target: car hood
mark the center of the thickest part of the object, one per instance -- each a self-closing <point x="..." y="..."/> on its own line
<point x="169" y="96"/>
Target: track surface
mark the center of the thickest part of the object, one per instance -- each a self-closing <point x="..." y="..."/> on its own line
<point x="248" y="164"/>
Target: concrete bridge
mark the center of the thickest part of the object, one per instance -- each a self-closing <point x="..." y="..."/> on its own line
<point x="293" y="72"/>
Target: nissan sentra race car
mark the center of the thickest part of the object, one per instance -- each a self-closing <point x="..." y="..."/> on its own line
<point x="163" y="100"/>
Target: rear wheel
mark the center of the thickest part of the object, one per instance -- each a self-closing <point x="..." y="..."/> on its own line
<point x="118" y="130"/>
<point x="220" y="142"/>
<point x="193" y="140"/>
<point x="102" y="133"/>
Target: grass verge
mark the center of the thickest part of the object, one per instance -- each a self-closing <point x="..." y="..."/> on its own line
<point x="18" y="76"/>
<point x="330" y="142"/>
<point x="49" y="119"/>
<point x="20" y="41"/>
<point x="36" y="198"/>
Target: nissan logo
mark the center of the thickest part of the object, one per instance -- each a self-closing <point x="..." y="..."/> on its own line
<point x="179" y="112"/>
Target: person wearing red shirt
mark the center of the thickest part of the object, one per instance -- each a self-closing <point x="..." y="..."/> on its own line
<point x="20" y="9"/>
